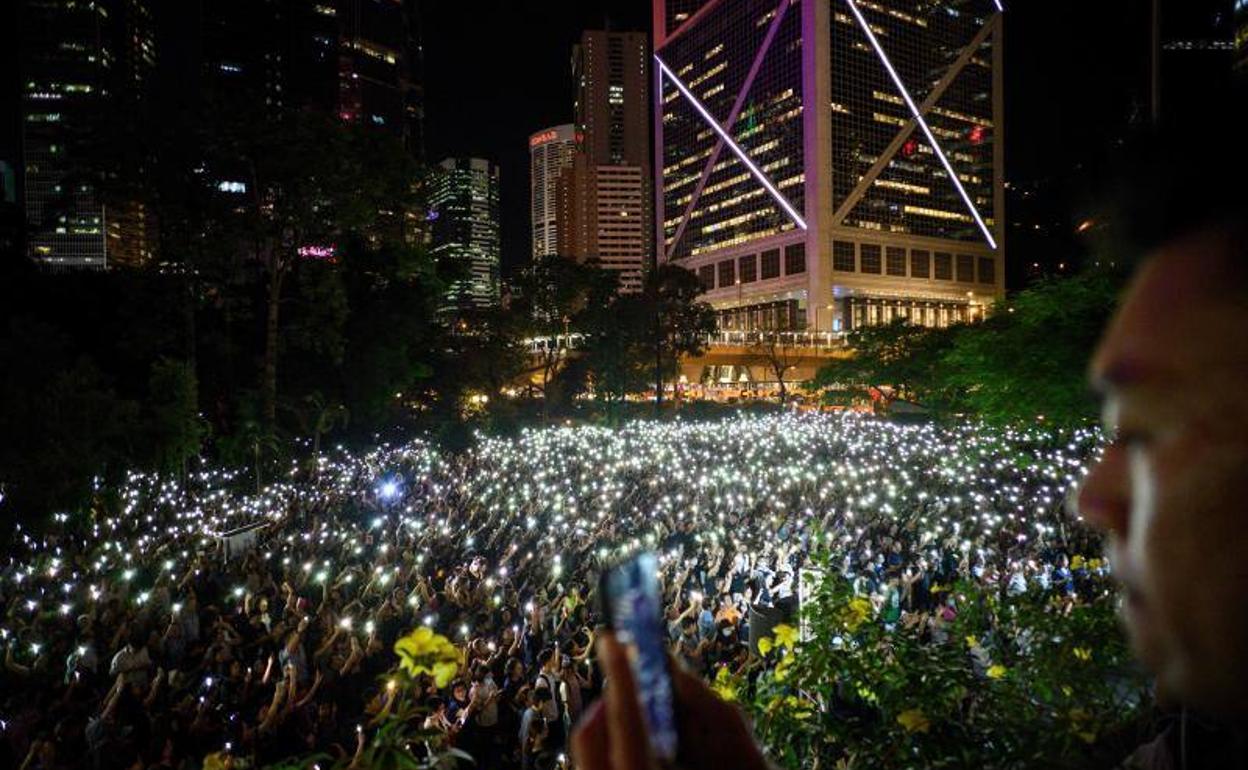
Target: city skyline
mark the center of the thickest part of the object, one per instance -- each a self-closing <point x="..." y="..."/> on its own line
<point x="474" y="108"/>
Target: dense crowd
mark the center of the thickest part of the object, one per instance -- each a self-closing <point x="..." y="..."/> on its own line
<point x="178" y="621"/>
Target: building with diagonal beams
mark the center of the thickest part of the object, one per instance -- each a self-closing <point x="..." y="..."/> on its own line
<point x="829" y="164"/>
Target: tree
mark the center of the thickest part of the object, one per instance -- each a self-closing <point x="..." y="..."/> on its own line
<point x="558" y="295"/>
<point x="683" y="322"/>
<point x="63" y="423"/>
<point x="619" y="349"/>
<point x="1027" y="360"/>
<point x="395" y="342"/>
<point x="311" y="181"/>
<point x="175" y="429"/>
<point x="779" y="356"/>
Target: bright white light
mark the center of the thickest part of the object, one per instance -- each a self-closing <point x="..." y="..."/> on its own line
<point x="736" y="149"/>
<point x="918" y="116"/>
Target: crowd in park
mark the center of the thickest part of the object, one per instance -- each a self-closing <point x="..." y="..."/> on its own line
<point x="180" y="624"/>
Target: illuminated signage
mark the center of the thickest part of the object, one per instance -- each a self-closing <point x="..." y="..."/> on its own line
<point x="318" y="252"/>
<point x="543" y="138"/>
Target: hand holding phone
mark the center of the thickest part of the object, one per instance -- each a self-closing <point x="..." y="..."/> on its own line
<point x="632" y="605"/>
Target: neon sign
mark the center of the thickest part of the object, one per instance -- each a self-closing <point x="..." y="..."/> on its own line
<point x="318" y="252"/>
<point x="545" y="137"/>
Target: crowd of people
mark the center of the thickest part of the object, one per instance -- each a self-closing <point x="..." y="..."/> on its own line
<point x="176" y="621"/>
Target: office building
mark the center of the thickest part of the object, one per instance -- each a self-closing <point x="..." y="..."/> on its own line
<point x="359" y="60"/>
<point x="85" y="71"/>
<point x="463" y="206"/>
<point x="604" y="198"/>
<point x="374" y="51"/>
<point x="550" y="152"/>
<point x="12" y="216"/>
<point x="829" y="165"/>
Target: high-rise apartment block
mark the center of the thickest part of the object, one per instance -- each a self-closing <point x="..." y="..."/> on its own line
<point x="605" y="202"/>
<point x="463" y="204"/>
<point x="828" y="165"/>
<point x="550" y="153"/>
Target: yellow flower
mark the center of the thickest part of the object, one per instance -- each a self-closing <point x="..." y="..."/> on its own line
<point x="972" y="641"/>
<point x="914" y="721"/>
<point x="725" y="685"/>
<point x="857" y="612"/>
<point x="1083" y="653"/>
<point x="867" y="694"/>
<point x="782" y="668"/>
<point x="799" y="708"/>
<point x="996" y="671"/>
<point x="1079" y="719"/>
<point x="424" y="652"/>
<point x="764" y="645"/>
<point x="786" y="635"/>
<point x="1094" y="564"/>
<point x="1076" y="562"/>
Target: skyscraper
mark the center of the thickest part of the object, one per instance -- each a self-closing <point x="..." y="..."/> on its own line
<point x="604" y="198"/>
<point x="83" y="66"/>
<point x="550" y="153"/>
<point x="376" y="55"/>
<point x="832" y="165"/>
<point x="463" y="203"/>
<point x="359" y="60"/>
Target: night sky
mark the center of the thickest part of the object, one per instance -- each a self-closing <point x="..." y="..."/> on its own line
<point x="498" y="71"/>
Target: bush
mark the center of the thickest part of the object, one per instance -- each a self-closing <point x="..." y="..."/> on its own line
<point x="1017" y="682"/>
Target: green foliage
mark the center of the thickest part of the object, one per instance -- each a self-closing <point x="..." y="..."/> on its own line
<point x="1028" y="359"/>
<point x="175" y="430"/>
<point x="1019" y="682"/>
<point x="639" y="338"/>
<point x="62" y="422"/>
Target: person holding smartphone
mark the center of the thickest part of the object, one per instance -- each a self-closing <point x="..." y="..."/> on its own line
<point x="613" y="734"/>
<point x="653" y="712"/>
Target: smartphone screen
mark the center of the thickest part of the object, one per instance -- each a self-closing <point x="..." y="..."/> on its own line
<point x="633" y="607"/>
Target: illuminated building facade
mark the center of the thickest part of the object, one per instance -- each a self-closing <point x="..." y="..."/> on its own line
<point x="463" y="204"/>
<point x="82" y="65"/>
<point x="605" y="208"/>
<point x="828" y="165"/>
<point x="551" y="152"/>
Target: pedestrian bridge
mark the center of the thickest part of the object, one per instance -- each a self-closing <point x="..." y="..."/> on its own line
<point x="810" y="343"/>
<point x="735" y="356"/>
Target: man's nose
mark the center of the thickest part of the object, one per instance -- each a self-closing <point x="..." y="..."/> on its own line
<point x="1104" y="497"/>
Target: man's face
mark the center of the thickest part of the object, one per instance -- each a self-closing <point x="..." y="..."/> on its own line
<point x="1172" y="489"/>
